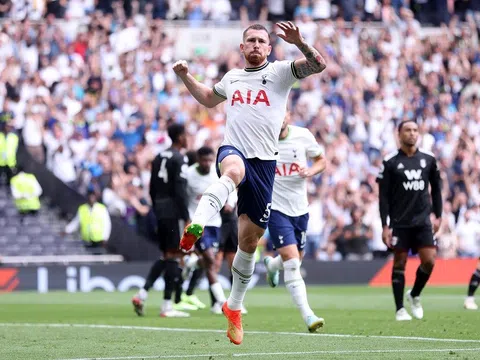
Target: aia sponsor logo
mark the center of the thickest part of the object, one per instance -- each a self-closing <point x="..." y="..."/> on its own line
<point x="8" y="280"/>
<point x="287" y="169"/>
<point x="250" y="98"/>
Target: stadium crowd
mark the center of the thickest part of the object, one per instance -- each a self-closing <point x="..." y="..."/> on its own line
<point x="97" y="118"/>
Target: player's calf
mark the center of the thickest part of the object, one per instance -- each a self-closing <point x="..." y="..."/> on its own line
<point x="469" y="303"/>
<point x="296" y="286"/>
<point x="398" y="278"/>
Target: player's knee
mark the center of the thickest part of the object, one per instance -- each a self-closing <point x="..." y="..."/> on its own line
<point x="235" y="173"/>
<point x="170" y="255"/>
<point x="209" y="261"/>
<point x="292" y="265"/>
<point x="399" y="264"/>
<point x="428" y="265"/>
<point x="289" y="252"/>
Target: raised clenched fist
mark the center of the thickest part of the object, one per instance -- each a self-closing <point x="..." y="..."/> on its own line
<point x="180" y="67"/>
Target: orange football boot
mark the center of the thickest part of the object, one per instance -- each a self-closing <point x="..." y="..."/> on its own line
<point x="235" y="329"/>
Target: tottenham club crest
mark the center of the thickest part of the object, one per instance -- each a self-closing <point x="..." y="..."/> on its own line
<point x="423" y="163"/>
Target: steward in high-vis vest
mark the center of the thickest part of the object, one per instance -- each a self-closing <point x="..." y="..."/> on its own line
<point x="8" y="151"/>
<point x="94" y="222"/>
<point x="26" y="192"/>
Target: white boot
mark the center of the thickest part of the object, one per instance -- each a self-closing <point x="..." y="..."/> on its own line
<point x="402" y="315"/>
<point x="415" y="305"/>
<point x="469" y="303"/>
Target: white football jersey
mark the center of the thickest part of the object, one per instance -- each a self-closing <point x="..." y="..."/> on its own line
<point x="289" y="189"/>
<point x="256" y="106"/>
<point x="196" y="185"/>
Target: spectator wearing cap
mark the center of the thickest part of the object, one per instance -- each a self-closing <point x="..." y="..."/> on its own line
<point x="8" y="148"/>
<point x="94" y="222"/>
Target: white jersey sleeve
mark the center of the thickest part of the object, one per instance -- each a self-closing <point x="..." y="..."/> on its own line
<point x="313" y="148"/>
<point x="290" y="189"/>
<point x="219" y="88"/>
<point x="286" y="71"/>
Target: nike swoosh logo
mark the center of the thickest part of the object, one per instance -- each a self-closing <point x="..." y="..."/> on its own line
<point x="233" y="81"/>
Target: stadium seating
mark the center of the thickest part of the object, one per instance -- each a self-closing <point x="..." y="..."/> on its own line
<point x="39" y="235"/>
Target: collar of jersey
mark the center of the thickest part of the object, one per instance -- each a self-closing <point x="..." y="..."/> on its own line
<point x="257" y="68"/>
<point x="404" y="153"/>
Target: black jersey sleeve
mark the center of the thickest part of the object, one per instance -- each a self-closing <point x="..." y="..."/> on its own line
<point x="153" y="176"/>
<point x="436" y="184"/>
<point x="180" y="188"/>
<point x="383" y="180"/>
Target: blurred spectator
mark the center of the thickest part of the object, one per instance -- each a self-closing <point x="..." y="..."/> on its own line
<point x="315" y="226"/>
<point x="336" y="238"/>
<point x="138" y="212"/>
<point x="26" y="192"/>
<point x="357" y="236"/>
<point x="94" y="222"/>
<point x="8" y="150"/>
<point x="468" y="231"/>
<point x="447" y="239"/>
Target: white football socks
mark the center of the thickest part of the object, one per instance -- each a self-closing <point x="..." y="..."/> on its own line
<point x="213" y="200"/>
<point x="218" y="292"/>
<point x="296" y="286"/>
<point x="242" y="269"/>
<point x="142" y="294"/>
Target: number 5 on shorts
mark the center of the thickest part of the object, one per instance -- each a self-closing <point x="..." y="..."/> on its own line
<point x="266" y="214"/>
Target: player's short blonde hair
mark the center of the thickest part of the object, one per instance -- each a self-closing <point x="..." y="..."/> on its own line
<point x="256" y="27"/>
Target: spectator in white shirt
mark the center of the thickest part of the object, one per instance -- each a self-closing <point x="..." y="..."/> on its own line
<point x="468" y="232"/>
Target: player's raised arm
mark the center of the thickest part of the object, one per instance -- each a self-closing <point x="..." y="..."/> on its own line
<point x="202" y="93"/>
<point x="313" y="62"/>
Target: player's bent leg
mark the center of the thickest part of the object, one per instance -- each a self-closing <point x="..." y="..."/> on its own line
<point x="138" y="301"/>
<point x="215" y="286"/>
<point x="197" y="273"/>
<point x="296" y="286"/>
<point x="469" y="303"/>
<point x="232" y="169"/>
<point x="242" y="270"/>
<point x="427" y="262"/>
<point x="273" y="267"/>
<point x="398" y="284"/>
<point x="171" y="273"/>
<point x="190" y="263"/>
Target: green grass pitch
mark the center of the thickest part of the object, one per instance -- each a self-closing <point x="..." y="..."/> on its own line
<point x="359" y="325"/>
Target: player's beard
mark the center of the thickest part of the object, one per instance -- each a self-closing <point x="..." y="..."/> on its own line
<point x="255" y="59"/>
<point x="410" y="142"/>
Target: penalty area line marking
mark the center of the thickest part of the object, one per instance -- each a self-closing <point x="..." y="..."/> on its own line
<point x="212" y="331"/>
<point x="293" y="353"/>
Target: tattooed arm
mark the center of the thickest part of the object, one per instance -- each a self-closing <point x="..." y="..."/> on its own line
<point x="313" y="62"/>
